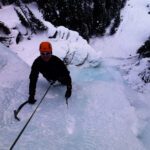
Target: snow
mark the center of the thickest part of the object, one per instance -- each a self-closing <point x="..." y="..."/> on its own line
<point x="104" y="111"/>
<point x="6" y="16"/>
<point x="132" y="32"/>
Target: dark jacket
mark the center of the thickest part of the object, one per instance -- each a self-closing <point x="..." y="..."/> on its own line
<point x="54" y="70"/>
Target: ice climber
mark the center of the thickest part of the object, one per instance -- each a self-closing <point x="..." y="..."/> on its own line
<point x="52" y="68"/>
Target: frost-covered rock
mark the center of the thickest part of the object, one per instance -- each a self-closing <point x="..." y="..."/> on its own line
<point x="50" y="29"/>
<point x="145" y="74"/>
<point x="136" y="72"/>
<point x="62" y="33"/>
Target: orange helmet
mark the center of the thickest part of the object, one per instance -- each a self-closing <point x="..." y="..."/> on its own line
<point x="45" y="47"/>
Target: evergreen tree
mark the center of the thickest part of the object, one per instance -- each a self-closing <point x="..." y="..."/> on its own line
<point x="5" y="31"/>
<point x="88" y="17"/>
<point x="115" y="25"/>
<point x="36" y="23"/>
<point x="22" y="18"/>
<point x="19" y="37"/>
<point x="49" y="8"/>
<point x="7" y="2"/>
<point x="144" y="50"/>
<point x="27" y="1"/>
<point x="4" y="28"/>
<point x="5" y="40"/>
<point x="33" y="23"/>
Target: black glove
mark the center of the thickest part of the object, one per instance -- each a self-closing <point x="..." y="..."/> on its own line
<point x="68" y="93"/>
<point x="31" y="100"/>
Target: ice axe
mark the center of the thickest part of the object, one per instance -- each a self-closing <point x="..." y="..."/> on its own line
<point x="26" y="102"/>
<point x="18" y="110"/>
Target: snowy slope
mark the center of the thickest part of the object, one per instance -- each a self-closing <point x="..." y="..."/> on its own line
<point x="132" y="33"/>
<point x="13" y="90"/>
<point x="13" y="77"/>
